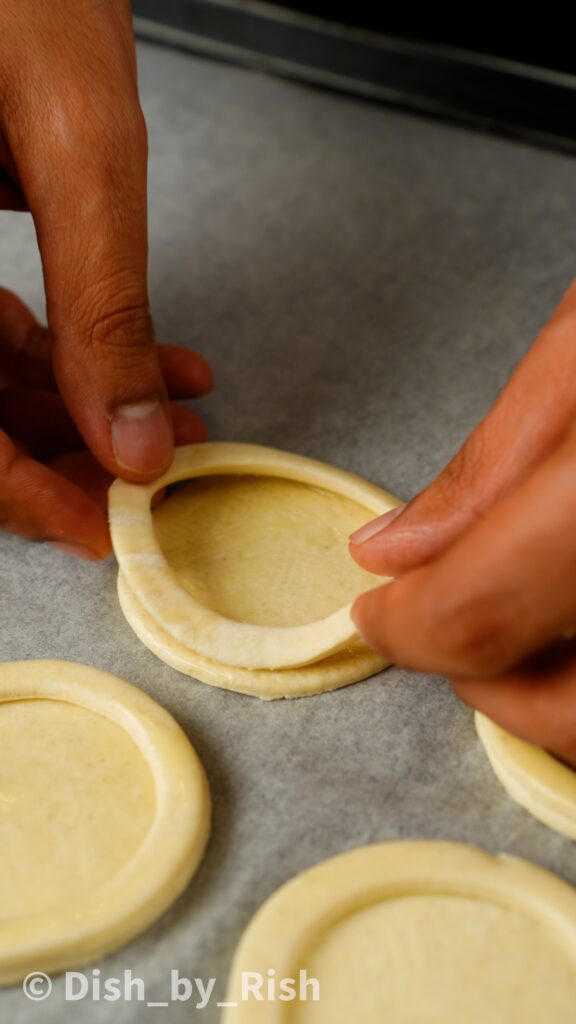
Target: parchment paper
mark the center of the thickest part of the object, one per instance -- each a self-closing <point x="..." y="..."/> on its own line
<point x="363" y="282"/>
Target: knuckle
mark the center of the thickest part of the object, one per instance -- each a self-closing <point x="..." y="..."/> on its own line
<point x="467" y="461"/>
<point x="474" y="634"/>
<point x="107" y="316"/>
<point x="124" y="327"/>
<point x="459" y="478"/>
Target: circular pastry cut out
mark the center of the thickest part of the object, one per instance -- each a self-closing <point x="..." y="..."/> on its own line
<point x="531" y="776"/>
<point x="356" y="662"/>
<point x="104" y="815"/>
<point x="183" y="605"/>
<point x="420" y="932"/>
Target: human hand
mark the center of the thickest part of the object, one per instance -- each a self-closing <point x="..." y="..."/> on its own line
<point x="73" y="151"/>
<point x="486" y="556"/>
<point x="51" y="486"/>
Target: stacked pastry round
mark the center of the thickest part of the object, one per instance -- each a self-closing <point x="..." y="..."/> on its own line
<point x="241" y="576"/>
<point x="535" y="779"/>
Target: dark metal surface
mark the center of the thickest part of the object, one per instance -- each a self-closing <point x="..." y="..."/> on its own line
<point x="486" y="91"/>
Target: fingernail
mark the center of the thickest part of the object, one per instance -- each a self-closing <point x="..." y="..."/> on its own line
<point x="371" y="529"/>
<point x="78" y="550"/>
<point x="142" y="437"/>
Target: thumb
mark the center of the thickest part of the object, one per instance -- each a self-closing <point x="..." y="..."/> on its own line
<point x="86" y="187"/>
<point x="529" y="419"/>
<point x="105" y="354"/>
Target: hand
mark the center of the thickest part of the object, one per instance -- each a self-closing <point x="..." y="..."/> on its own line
<point x="51" y="487"/>
<point x="73" y="151"/>
<point x="486" y="556"/>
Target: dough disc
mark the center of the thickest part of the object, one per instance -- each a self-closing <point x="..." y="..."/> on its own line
<point x="210" y="618"/>
<point x="349" y="666"/>
<point x="104" y="815"/>
<point x="533" y="778"/>
<point x="268" y="551"/>
<point x="412" y="933"/>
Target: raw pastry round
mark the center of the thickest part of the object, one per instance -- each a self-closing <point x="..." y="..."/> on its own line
<point x="104" y="814"/>
<point x="349" y="666"/>
<point x="412" y="933"/>
<point x="537" y="781"/>
<point x="181" y="610"/>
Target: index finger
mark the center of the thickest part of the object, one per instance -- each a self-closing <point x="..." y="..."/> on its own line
<point x="501" y="592"/>
<point x="528" y="419"/>
<point x="37" y="503"/>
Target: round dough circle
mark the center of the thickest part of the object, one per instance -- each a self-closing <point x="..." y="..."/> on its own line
<point x="341" y="669"/>
<point x="182" y="614"/>
<point x="104" y="814"/>
<point x="419" y="932"/>
<point x="531" y="776"/>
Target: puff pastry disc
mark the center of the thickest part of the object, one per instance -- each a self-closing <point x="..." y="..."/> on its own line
<point x="242" y="576"/>
<point x="533" y="778"/>
<point x="412" y="933"/>
<point x="104" y="814"/>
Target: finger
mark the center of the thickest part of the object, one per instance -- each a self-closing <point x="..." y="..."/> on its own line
<point x="39" y="420"/>
<point x="189" y="428"/>
<point x="501" y="592"/>
<point x="187" y="374"/>
<point x="25" y="346"/>
<point x="527" y="421"/>
<point x="105" y="354"/>
<point x="536" y="701"/>
<point x="26" y="355"/>
<point x="85" y="182"/>
<point x="37" y="503"/>
<point x="82" y="469"/>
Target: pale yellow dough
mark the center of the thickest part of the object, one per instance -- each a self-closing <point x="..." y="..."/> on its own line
<point x="258" y="542"/>
<point x="104" y="814"/>
<point x="537" y="781"/>
<point x="348" y="666"/>
<point x="413" y="933"/>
